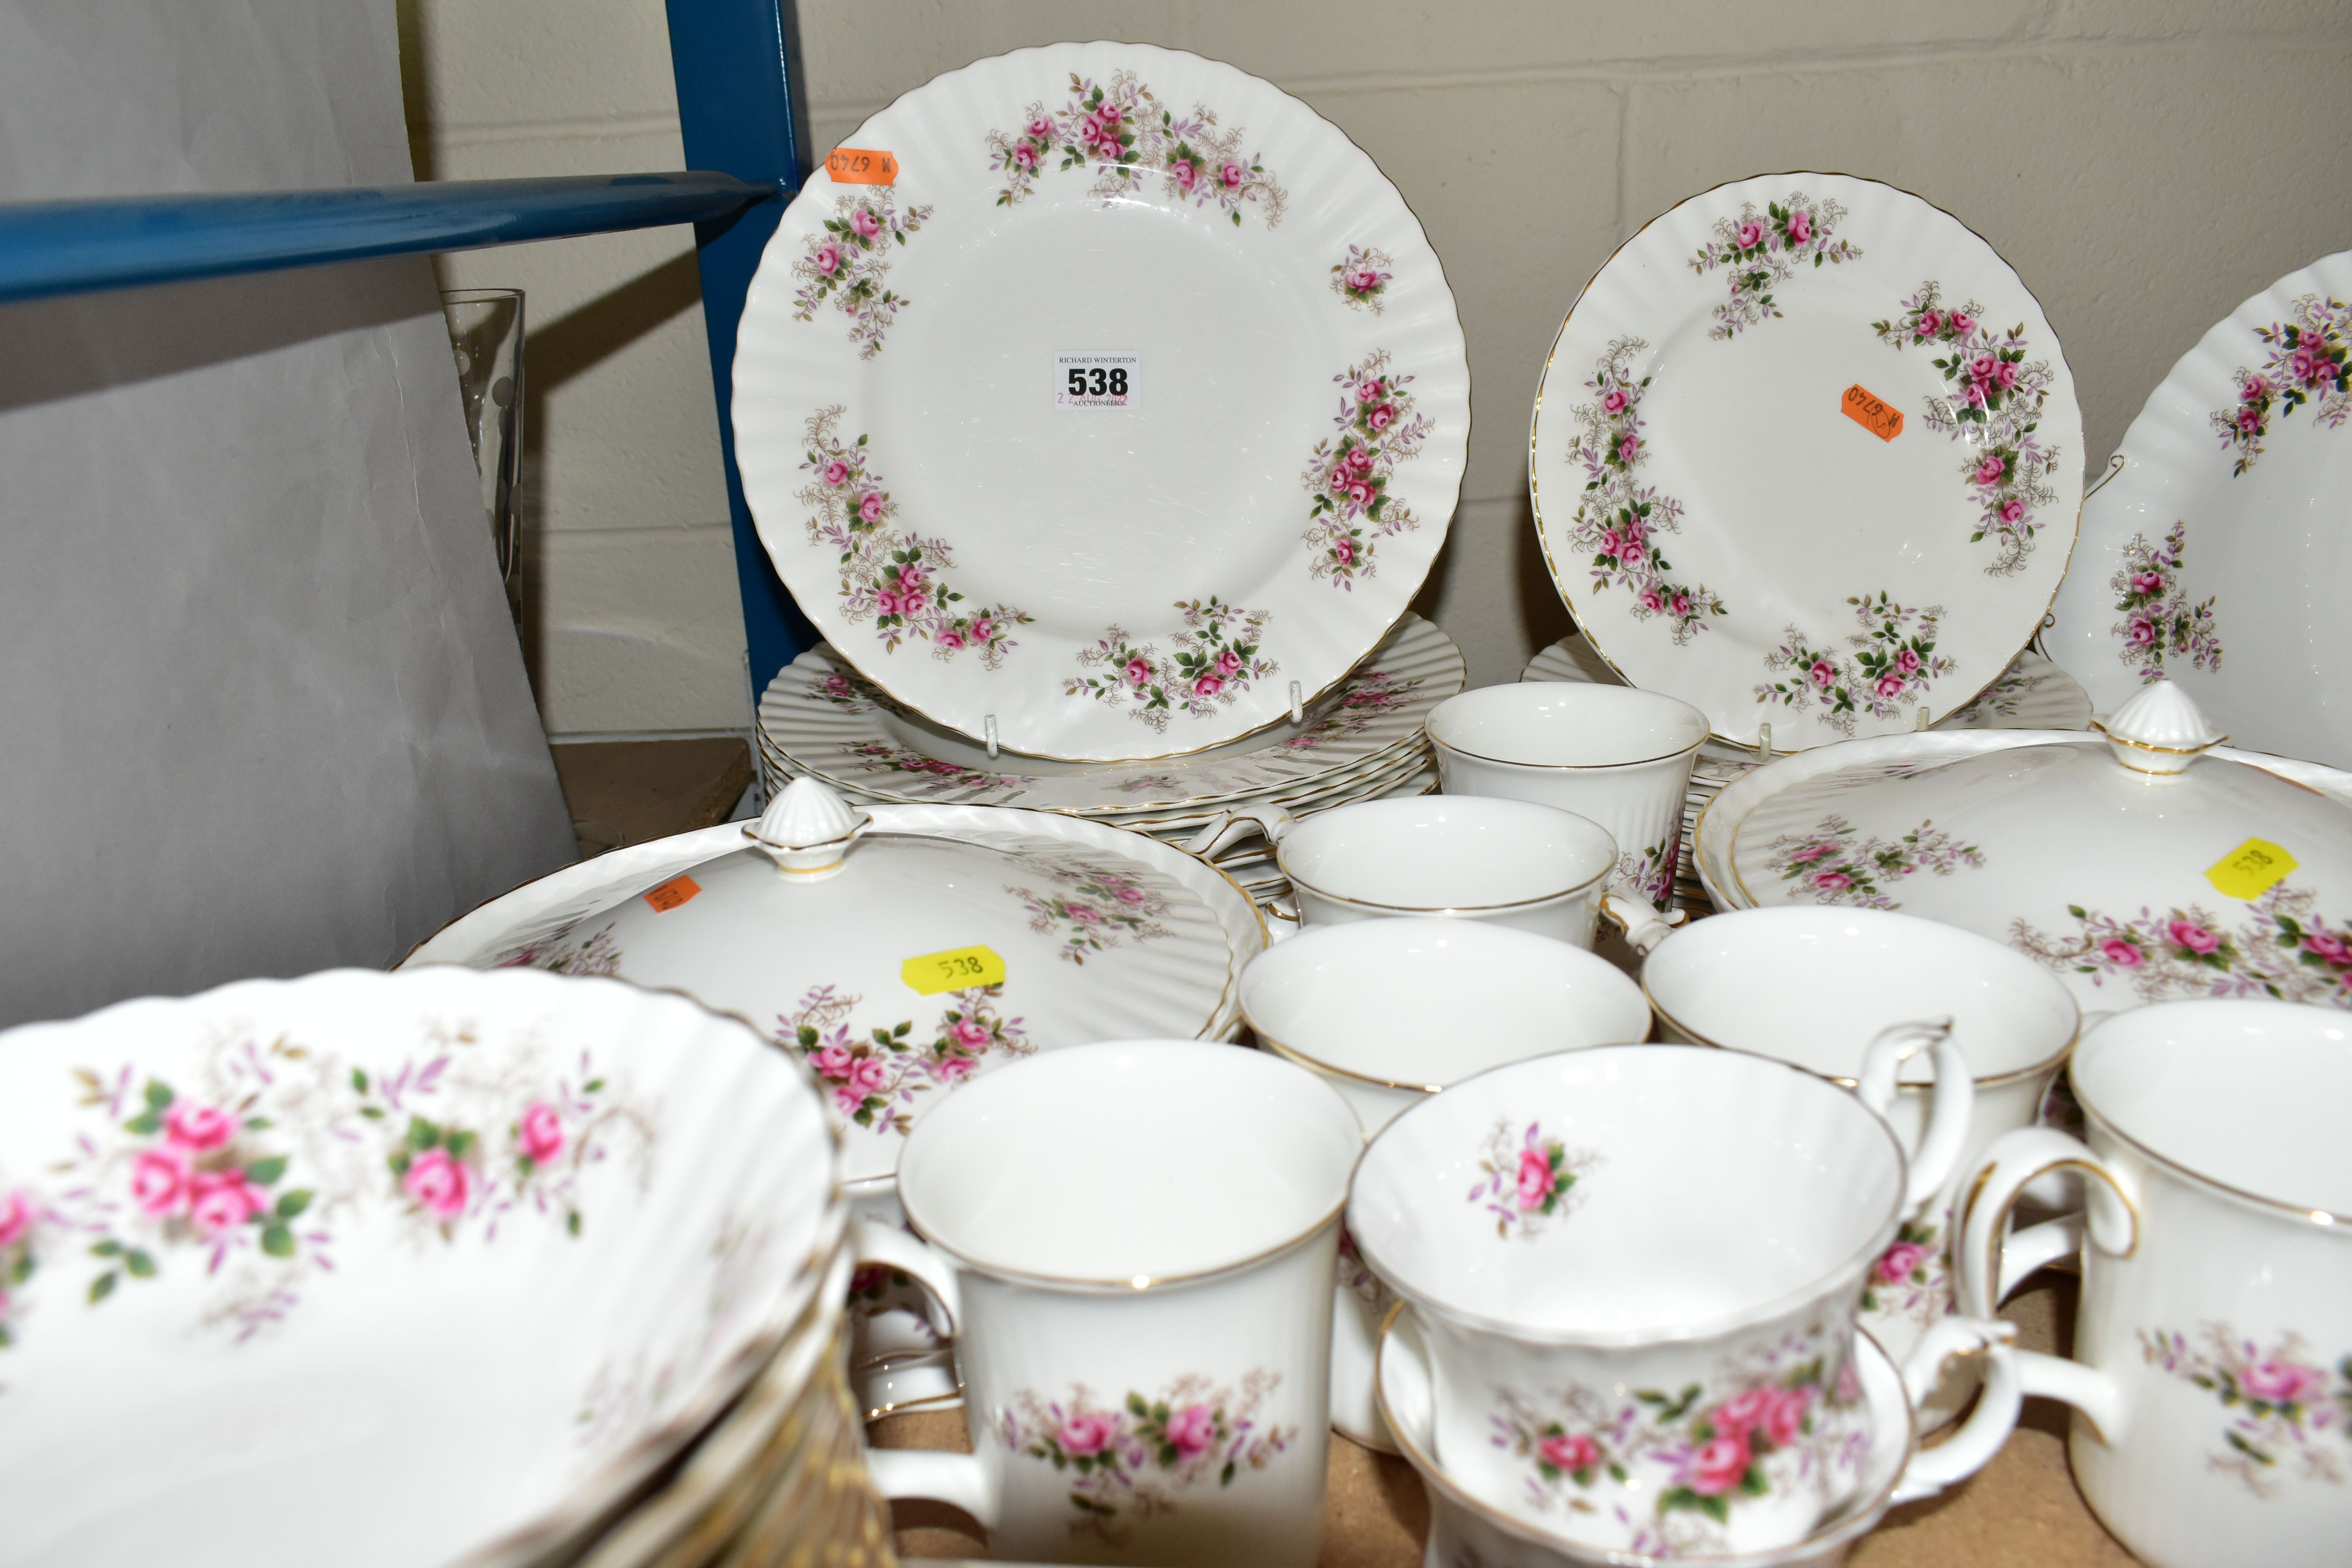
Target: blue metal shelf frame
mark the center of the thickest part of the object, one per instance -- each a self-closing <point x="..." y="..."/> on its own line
<point x="745" y="119"/>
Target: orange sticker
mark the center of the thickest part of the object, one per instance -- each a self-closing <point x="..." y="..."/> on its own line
<point x="1871" y="412"/>
<point x="672" y="893"/>
<point x="856" y="167"/>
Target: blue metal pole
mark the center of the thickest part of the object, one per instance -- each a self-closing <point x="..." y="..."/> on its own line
<point x="70" y="248"/>
<point x="743" y="109"/>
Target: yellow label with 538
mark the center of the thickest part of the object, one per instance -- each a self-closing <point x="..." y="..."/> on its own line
<point x="2251" y="869"/>
<point x="954" y="969"/>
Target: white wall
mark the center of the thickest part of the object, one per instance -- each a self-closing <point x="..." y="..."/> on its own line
<point x="2145" y="164"/>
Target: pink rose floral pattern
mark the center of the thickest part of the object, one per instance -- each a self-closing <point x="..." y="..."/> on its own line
<point x="1377" y="427"/>
<point x="1362" y="279"/>
<point x="1214" y="658"/>
<point x="245" y="1173"/>
<point x="847" y="261"/>
<point x="1093" y="907"/>
<point x="1762" y="250"/>
<point x="2290" y="1416"/>
<point x="896" y="578"/>
<point x="1830" y="865"/>
<point x="22" y="1219"/>
<point x="882" y="756"/>
<point x="1653" y="870"/>
<point x="1528" y="1180"/>
<point x="1122" y="133"/>
<point x="2158" y="619"/>
<point x="1134" y="1459"/>
<point x="842" y="690"/>
<point x="873" y="1080"/>
<point x="2281" y="948"/>
<point x="1993" y="410"/>
<point x="1892" y="664"/>
<point x="2310" y="362"/>
<point x="1779" y="1422"/>
<point x="1368" y="694"/>
<point x="1618" y="522"/>
<point x="559" y="954"/>
<point x="1911" y="1280"/>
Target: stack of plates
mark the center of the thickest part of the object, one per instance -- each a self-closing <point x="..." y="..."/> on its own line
<point x="2032" y="694"/>
<point x="1362" y="740"/>
<point x="296" y="1201"/>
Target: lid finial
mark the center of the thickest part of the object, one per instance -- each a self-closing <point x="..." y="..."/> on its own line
<point x="2161" y="730"/>
<point x="807" y="830"/>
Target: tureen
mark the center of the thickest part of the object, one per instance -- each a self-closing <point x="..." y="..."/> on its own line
<point x="2143" y="863"/>
<point x="901" y="951"/>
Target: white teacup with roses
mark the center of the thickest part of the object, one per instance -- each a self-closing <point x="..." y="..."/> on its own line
<point x="1638" y="1269"/>
<point x="1815" y="987"/>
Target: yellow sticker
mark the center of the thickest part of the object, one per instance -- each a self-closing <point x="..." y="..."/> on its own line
<point x="954" y="970"/>
<point x="2251" y="869"/>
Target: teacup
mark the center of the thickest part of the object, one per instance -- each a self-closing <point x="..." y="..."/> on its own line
<point x="1638" y="1269"/>
<point x="1389" y="1012"/>
<point x="1619" y="756"/>
<point x="1511" y="862"/>
<point x="1463" y="1528"/>
<point x="1813" y="988"/>
<point x="2213" y="1374"/>
<point x="1132" y="1245"/>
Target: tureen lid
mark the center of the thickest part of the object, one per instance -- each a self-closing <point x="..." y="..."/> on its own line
<point x="900" y="965"/>
<point x="2141" y="866"/>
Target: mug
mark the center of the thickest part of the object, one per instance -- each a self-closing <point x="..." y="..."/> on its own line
<point x="2213" y="1374"/>
<point x="1389" y="1012"/>
<point x="1131" y="1244"/>
<point x="1617" y="755"/>
<point x="1813" y="988"/>
<point x="1463" y="1528"/>
<point x="1638" y="1269"/>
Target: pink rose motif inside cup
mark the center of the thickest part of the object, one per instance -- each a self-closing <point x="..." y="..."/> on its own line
<point x="440" y="1184"/>
<point x="1823" y="674"/>
<point x="1228" y="662"/>
<point x="1343" y="550"/>
<point x="1833" y="881"/>
<point x="1232" y="175"/>
<point x="2141" y="633"/>
<point x="1138" y="671"/>
<point x="2147" y="582"/>
<point x="2116" y="951"/>
<point x="1208" y="685"/>
<point x="1614" y="400"/>
<point x="1535" y="1179"/>
<point x="835" y="472"/>
<point x="1191" y="1429"/>
<point x="1025" y="155"/>
<point x="1185" y="174"/>
<point x="1800" y="227"/>
<point x="1040" y="128"/>
<point x="2327" y="944"/>
<point x="1751" y="234"/>
<point x="1930" y="323"/>
<point x="1990" y="470"/>
<point x="1962" y="321"/>
<point x="869" y="1075"/>
<point x="540" y="1132"/>
<point x="2012" y="511"/>
<point x="834" y="1061"/>
<point x="953" y="1068"/>
<point x="969" y="1032"/>
<point x="1890" y="685"/>
<point x="869" y="506"/>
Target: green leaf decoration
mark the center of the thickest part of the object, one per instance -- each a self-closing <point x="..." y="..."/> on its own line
<point x="101" y="1288"/>
<point x="293" y="1203"/>
<point x="139" y="1263"/>
<point x="264" y="1173"/>
<point x="278" y="1241"/>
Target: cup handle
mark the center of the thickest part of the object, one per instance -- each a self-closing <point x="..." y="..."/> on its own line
<point x="1938" y="1154"/>
<point x="1632" y="914"/>
<point x="1989" y="1425"/>
<point x="1981" y="1263"/>
<point x="1230" y="827"/>
<point x="875" y="1242"/>
<point x="956" y="1480"/>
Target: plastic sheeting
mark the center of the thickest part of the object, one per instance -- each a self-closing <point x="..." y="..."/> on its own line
<point x="262" y="709"/>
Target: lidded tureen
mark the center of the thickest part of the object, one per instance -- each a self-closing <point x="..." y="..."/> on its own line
<point x="899" y="950"/>
<point x="2145" y="863"/>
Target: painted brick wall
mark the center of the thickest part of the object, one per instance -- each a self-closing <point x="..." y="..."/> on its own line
<point x="2145" y="164"/>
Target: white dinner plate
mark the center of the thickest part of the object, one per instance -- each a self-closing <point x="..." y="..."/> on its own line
<point x="2220" y="555"/>
<point x="826" y="719"/>
<point x="1806" y="453"/>
<point x="1135" y="404"/>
